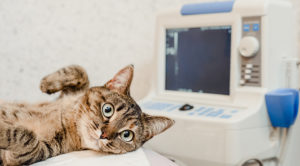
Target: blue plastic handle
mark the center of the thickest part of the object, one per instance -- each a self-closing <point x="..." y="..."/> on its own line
<point x="282" y="106"/>
<point x="207" y="7"/>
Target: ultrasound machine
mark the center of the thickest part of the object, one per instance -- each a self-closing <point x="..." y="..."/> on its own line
<point x="226" y="72"/>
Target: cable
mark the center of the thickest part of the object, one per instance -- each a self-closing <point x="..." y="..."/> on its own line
<point x="282" y="148"/>
<point x="279" y="156"/>
<point x="252" y="161"/>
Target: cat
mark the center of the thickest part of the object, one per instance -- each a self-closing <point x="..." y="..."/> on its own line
<point x="102" y="118"/>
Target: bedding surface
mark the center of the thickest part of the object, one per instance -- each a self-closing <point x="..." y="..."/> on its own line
<point x="91" y="158"/>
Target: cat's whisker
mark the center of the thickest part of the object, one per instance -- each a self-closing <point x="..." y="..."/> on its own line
<point x="109" y="145"/>
<point x="83" y="107"/>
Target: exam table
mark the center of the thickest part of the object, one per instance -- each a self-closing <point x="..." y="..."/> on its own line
<point x="140" y="157"/>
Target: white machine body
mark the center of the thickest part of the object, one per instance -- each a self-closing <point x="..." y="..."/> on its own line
<point x="225" y="128"/>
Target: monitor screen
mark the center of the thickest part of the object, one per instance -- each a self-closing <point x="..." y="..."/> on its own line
<point x="198" y="59"/>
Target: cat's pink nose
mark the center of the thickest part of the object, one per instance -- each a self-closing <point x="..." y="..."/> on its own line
<point x="103" y="136"/>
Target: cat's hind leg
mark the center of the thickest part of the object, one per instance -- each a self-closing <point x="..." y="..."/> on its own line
<point x="70" y="79"/>
<point x="20" y="146"/>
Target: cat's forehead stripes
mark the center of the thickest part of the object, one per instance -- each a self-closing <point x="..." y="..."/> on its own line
<point x="122" y="106"/>
<point x="120" y="102"/>
<point x="103" y="98"/>
<point x="133" y="125"/>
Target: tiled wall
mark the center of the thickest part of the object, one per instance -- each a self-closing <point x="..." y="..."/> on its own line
<point x="38" y="37"/>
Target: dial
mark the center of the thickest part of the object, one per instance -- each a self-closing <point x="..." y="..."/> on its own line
<point x="249" y="46"/>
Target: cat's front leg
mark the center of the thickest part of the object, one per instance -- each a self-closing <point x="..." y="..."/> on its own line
<point x="20" y="146"/>
<point x="70" y="79"/>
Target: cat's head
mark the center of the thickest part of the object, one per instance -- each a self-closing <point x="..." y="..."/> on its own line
<point x="112" y="121"/>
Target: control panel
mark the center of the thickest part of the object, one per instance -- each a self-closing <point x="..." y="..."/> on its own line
<point x="199" y="111"/>
<point x="250" y="53"/>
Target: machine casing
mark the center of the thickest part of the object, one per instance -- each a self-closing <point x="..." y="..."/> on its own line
<point x="223" y="130"/>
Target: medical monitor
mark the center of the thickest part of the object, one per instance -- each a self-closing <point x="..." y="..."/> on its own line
<point x="197" y="59"/>
<point x="218" y="64"/>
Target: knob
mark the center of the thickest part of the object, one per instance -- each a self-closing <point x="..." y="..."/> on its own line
<point x="186" y="107"/>
<point x="249" y="46"/>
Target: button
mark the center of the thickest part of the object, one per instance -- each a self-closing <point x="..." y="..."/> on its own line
<point x="255" y="27"/>
<point x="157" y="106"/>
<point x="186" y="107"/>
<point x="234" y="111"/>
<point x="248" y="71"/>
<point x="247" y="77"/>
<point x="200" y="109"/>
<point x="246" y="27"/>
<point x="191" y="113"/>
<point x="242" y="82"/>
<point x="147" y="104"/>
<point x="215" y="113"/>
<point x="226" y="116"/>
<point x="249" y="66"/>
<point x="173" y="108"/>
<point x="205" y="111"/>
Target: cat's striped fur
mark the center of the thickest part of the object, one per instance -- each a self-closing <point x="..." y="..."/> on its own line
<point x="76" y="120"/>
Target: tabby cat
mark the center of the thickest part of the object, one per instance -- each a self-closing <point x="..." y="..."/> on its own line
<point x="103" y="118"/>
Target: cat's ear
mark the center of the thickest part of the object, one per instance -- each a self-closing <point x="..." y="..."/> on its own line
<point x="154" y="125"/>
<point x="121" y="81"/>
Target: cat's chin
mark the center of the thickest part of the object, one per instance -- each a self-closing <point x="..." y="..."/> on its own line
<point x="90" y="140"/>
<point x="102" y="145"/>
<point x="104" y="148"/>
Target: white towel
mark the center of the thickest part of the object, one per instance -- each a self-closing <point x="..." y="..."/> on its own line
<point x="91" y="158"/>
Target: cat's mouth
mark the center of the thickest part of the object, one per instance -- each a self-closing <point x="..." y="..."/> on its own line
<point x="106" y="146"/>
<point x="102" y="143"/>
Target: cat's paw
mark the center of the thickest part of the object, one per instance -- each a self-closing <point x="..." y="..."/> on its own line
<point x="50" y="86"/>
<point x="69" y="79"/>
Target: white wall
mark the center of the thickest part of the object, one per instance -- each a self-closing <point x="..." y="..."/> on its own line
<point x="38" y="37"/>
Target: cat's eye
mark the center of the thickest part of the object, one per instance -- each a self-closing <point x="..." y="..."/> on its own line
<point x="107" y="110"/>
<point x="127" y="135"/>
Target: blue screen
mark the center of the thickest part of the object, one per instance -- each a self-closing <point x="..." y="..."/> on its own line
<point x="198" y="59"/>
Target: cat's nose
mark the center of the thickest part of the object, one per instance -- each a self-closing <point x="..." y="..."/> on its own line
<point x="103" y="136"/>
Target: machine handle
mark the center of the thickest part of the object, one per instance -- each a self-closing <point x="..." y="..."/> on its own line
<point x="282" y="106"/>
<point x="207" y="8"/>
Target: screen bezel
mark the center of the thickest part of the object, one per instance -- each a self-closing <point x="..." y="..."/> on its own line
<point x="177" y="21"/>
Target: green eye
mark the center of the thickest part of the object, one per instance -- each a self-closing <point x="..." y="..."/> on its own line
<point x="107" y="110"/>
<point x="127" y="135"/>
